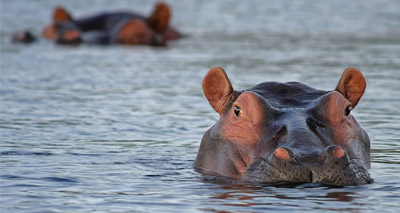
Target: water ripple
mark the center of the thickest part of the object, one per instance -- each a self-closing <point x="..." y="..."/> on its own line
<point x="96" y="128"/>
<point x="13" y="152"/>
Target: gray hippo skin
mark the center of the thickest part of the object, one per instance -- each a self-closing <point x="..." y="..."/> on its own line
<point x="286" y="132"/>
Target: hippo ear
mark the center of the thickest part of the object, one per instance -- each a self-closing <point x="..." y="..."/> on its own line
<point x="160" y="17"/>
<point x="217" y="88"/>
<point x="60" y="15"/>
<point x="352" y="85"/>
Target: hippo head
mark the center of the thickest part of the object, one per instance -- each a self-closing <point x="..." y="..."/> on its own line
<point x="286" y="132"/>
<point x="59" y="15"/>
<point x="148" y="31"/>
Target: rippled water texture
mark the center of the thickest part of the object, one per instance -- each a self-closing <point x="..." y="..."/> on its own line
<point x="117" y="128"/>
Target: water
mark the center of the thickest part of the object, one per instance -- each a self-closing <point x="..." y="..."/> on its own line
<point x="116" y="129"/>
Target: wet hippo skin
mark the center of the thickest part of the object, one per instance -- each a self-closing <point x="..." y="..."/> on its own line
<point x="120" y="27"/>
<point x="113" y="28"/>
<point x="285" y="132"/>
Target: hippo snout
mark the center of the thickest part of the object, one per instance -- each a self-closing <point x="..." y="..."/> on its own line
<point x="333" y="166"/>
<point x="337" y="168"/>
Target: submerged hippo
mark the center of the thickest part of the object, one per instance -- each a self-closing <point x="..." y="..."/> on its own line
<point x="286" y="132"/>
<point x="123" y="27"/>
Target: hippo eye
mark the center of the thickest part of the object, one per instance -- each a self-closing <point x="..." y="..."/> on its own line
<point x="347" y="110"/>
<point x="237" y="110"/>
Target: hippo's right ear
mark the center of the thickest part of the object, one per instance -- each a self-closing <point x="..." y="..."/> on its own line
<point x="217" y="88"/>
<point x="160" y="17"/>
<point x="352" y="85"/>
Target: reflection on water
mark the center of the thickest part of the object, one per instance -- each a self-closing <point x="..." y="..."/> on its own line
<point x="116" y="128"/>
<point x="238" y="194"/>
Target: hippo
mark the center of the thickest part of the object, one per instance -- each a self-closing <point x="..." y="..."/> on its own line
<point x="285" y="133"/>
<point x="125" y="28"/>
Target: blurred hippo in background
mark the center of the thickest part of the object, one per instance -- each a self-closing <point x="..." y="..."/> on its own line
<point x="109" y="28"/>
<point x="286" y="132"/>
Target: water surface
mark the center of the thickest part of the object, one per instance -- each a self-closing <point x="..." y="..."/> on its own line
<point x="114" y="129"/>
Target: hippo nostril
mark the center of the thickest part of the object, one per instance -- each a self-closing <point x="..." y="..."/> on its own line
<point x="333" y="151"/>
<point x="338" y="152"/>
<point x="281" y="153"/>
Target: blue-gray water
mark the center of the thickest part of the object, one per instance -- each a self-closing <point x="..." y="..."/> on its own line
<point x="116" y="129"/>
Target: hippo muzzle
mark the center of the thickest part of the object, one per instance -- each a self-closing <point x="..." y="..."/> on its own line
<point x="329" y="168"/>
<point x="286" y="132"/>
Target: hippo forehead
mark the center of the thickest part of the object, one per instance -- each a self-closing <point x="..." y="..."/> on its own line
<point x="287" y="95"/>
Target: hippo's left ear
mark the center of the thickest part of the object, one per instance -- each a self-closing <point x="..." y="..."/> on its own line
<point x="352" y="85"/>
<point x="61" y="15"/>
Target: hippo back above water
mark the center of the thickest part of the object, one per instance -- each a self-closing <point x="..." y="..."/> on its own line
<point x="286" y="132"/>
